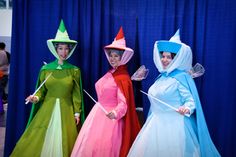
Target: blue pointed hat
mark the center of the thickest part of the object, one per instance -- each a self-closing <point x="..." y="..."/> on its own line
<point x="173" y="45"/>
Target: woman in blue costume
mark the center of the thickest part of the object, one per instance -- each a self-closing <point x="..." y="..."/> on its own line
<point x="167" y="132"/>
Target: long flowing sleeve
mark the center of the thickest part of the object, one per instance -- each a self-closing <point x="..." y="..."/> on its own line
<point x="121" y="108"/>
<point x="76" y="94"/>
<point x="186" y="98"/>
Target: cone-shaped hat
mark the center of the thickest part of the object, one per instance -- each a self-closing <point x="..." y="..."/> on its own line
<point x="119" y="41"/>
<point x="173" y="45"/>
<point x="61" y="37"/>
<point x="120" y="44"/>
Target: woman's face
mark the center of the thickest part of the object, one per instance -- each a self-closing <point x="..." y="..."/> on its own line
<point x="166" y="58"/>
<point x="63" y="51"/>
<point x="114" y="58"/>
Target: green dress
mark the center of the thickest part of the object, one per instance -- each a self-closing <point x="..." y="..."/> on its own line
<point x="52" y="131"/>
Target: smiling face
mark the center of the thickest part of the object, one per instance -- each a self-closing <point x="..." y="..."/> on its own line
<point x="62" y="51"/>
<point x="114" y="57"/>
<point x="166" y="58"/>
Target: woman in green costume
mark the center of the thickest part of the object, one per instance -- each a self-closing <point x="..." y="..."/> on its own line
<point x="58" y="105"/>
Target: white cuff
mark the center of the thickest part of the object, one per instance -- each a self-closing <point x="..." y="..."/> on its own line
<point x="37" y="98"/>
<point x="188" y="114"/>
<point x="77" y="114"/>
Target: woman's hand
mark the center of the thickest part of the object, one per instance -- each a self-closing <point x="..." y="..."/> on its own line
<point x="77" y="119"/>
<point x="32" y="99"/>
<point x="183" y="110"/>
<point x="111" y="115"/>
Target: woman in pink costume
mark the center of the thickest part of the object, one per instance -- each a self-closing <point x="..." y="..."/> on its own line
<point x="111" y="134"/>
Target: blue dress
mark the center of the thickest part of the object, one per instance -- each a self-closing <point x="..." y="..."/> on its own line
<point x="166" y="133"/>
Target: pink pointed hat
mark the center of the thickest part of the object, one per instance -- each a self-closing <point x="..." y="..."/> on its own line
<point x="120" y="44"/>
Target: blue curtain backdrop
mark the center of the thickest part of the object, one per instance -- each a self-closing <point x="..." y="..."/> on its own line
<point x="208" y="26"/>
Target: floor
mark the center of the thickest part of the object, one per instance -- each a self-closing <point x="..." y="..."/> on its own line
<point x="2" y="129"/>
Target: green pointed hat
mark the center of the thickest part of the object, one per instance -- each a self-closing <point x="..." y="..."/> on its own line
<point x="61" y="37"/>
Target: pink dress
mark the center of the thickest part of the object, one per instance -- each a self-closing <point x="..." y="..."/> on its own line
<point x="101" y="136"/>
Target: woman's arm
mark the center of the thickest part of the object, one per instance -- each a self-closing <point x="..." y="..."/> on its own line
<point x="76" y="95"/>
<point x="121" y="108"/>
<point x="39" y="96"/>
<point x="188" y="106"/>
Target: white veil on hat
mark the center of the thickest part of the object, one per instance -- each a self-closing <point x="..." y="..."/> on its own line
<point x="183" y="58"/>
